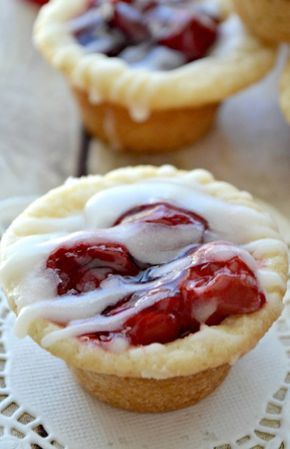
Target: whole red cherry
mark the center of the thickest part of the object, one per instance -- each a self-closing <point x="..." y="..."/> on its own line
<point x="231" y="287"/>
<point x="190" y="33"/>
<point x="130" y="21"/>
<point x="162" y="213"/>
<point x="39" y="2"/>
<point x="166" y="321"/>
<point x="82" y="267"/>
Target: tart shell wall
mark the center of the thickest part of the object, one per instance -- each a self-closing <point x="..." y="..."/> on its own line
<point x="151" y="395"/>
<point x="173" y="127"/>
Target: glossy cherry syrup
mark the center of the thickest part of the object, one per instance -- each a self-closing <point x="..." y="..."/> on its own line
<point x="192" y="34"/>
<point x="162" y="213"/>
<point x="206" y="292"/>
<point x="179" y="26"/>
<point x="39" y="2"/>
<point x="83" y="267"/>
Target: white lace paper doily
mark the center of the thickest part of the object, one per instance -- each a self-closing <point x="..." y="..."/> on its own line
<point x="42" y="407"/>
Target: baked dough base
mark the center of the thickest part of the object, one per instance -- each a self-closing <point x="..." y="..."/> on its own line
<point x="268" y="19"/>
<point x="152" y="395"/>
<point x="163" y="130"/>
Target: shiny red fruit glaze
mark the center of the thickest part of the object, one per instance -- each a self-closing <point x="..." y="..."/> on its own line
<point x="82" y="267"/>
<point x="231" y="287"/>
<point x="164" y="322"/>
<point x="130" y="21"/>
<point x="191" y="34"/>
<point x="162" y="213"/>
<point x="206" y="292"/>
<point x="39" y="2"/>
<point x="153" y="326"/>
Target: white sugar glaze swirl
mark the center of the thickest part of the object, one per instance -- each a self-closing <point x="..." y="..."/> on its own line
<point x="155" y="244"/>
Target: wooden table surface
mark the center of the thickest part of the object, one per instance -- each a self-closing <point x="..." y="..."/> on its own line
<point x="39" y="127"/>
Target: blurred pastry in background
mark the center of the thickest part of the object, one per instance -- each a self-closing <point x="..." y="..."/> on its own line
<point x="269" y="20"/>
<point x="285" y="91"/>
<point x="150" y="76"/>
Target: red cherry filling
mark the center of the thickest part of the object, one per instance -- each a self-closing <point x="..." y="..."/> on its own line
<point x="181" y="27"/>
<point x="83" y="267"/>
<point x="219" y="289"/>
<point x="39" y="2"/>
<point x="153" y="326"/>
<point x="162" y="213"/>
<point x="204" y="292"/>
<point x="192" y="34"/>
<point x="130" y="21"/>
<point x="208" y="293"/>
<point x="168" y="320"/>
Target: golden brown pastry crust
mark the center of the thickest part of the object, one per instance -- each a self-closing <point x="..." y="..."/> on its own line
<point x="164" y="130"/>
<point x="151" y="395"/>
<point x="268" y="19"/>
<point x="209" y="348"/>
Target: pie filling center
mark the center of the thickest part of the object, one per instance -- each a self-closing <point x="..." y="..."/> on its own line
<point x="154" y="34"/>
<point x="204" y="284"/>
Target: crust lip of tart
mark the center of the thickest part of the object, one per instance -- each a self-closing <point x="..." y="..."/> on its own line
<point x="208" y="80"/>
<point x="211" y="346"/>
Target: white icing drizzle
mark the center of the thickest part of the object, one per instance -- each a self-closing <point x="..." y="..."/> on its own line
<point x="227" y="221"/>
<point x="231" y="36"/>
<point x="83" y="312"/>
<point x="95" y="96"/>
<point x="110" y="129"/>
<point x="148" y="243"/>
<point x="92" y="17"/>
<point x="139" y="114"/>
<point x="202" y="311"/>
<point x="35" y="296"/>
<point x="156" y="58"/>
<point x="268" y="278"/>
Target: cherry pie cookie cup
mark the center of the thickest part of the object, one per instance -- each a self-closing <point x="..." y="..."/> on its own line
<point x="268" y="20"/>
<point x="150" y="76"/>
<point x="148" y="282"/>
